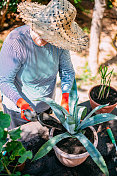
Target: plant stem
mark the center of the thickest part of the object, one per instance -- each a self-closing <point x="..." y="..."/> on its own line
<point x="105" y="82"/>
<point x="15" y="167"/>
<point x="8" y="171"/>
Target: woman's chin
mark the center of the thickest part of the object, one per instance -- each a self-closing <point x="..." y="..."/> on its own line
<point x="43" y="43"/>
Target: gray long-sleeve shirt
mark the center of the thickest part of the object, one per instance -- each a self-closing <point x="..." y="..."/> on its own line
<point x="29" y="71"/>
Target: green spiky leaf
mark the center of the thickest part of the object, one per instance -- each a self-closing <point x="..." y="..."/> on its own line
<point x="49" y="145"/>
<point x="59" y="111"/>
<point x="93" y="111"/>
<point x="70" y="127"/>
<point x="73" y="97"/>
<point x="98" y="119"/>
<point x="93" y="152"/>
<point x="79" y="113"/>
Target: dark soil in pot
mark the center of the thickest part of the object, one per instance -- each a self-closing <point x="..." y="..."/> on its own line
<point x="111" y="99"/>
<point x="50" y="166"/>
<point x="73" y="145"/>
<point x="51" y="123"/>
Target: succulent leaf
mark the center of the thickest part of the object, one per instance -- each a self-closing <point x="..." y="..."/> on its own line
<point x="94" y="110"/>
<point x="59" y="111"/>
<point x="97" y="119"/>
<point x="93" y="152"/>
<point x="70" y="127"/>
<point x="75" y="112"/>
<point x="73" y="97"/>
<point x="49" y="144"/>
<point x="79" y="113"/>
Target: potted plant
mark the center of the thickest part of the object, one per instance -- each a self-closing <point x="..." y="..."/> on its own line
<point x="75" y="128"/>
<point x="103" y="93"/>
<point x="12" y="153"/>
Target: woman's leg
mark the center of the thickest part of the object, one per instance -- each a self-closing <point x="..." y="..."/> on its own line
<point x="15" y="118"/>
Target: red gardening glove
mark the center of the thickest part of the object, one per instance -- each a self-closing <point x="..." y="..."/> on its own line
<point x="65" y="101"/>
<point x="23" y="105"/>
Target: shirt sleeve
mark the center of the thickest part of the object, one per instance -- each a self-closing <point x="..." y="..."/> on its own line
<point x="10" y="64"/>
<point x="66" y="71"/>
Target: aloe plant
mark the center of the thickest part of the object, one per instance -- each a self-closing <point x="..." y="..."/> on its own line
<point x="75" y="123"/>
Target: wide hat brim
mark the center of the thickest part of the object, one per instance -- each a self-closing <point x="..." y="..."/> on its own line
<point x="53" y="25"/>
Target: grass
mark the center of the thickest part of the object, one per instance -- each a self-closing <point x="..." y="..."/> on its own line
<point x="85" y="76"/>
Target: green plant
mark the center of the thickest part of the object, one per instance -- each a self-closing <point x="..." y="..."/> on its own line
<point x="75" y="126"/>
<point x="85" y="76"/>
<point x="10" y="147"/>
<point x="109" y="4"/>
<point x="86" y="29"/>
<point x="12" y="5"/>
<point x="78" y="5"/>
<point x="1" y="42"/>
<point x="105" y="81"/>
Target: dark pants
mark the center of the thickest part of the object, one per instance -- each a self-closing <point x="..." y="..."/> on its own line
<point x="16" y="119"/>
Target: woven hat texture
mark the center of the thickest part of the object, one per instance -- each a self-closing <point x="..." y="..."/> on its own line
<point x="55" y="23"/>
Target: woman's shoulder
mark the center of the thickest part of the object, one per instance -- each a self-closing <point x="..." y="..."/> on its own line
<point x="18" y="32"/>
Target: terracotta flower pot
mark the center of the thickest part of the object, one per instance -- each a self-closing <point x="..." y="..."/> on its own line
<point x="13" y="166"/>
<point x="19" y="167"/>
<point x="72" y="160"/>
<point x="94" y="104"/>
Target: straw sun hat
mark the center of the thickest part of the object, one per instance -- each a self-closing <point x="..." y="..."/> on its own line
<point x="55" y="23"/>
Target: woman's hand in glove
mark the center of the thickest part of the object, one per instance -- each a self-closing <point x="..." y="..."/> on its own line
<point x="65" y="101"/>
<point x="23" y="105"/>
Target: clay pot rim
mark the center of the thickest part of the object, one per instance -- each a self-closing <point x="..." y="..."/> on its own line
<point x="18" y="165"/>
<point x="96" y="102"/>
<point x="75" y="156"/>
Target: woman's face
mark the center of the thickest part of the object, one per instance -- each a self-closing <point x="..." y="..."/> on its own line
<point x="37" y="39"/>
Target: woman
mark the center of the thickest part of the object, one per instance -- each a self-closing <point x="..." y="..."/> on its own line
<point x="33" y="54"/>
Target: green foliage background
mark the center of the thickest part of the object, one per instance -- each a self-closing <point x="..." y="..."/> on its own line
<point x="13" y="4"/>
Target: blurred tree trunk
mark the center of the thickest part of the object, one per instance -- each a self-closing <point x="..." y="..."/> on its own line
<point x="3" y="13"/>
<point x="96" y="26"/>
